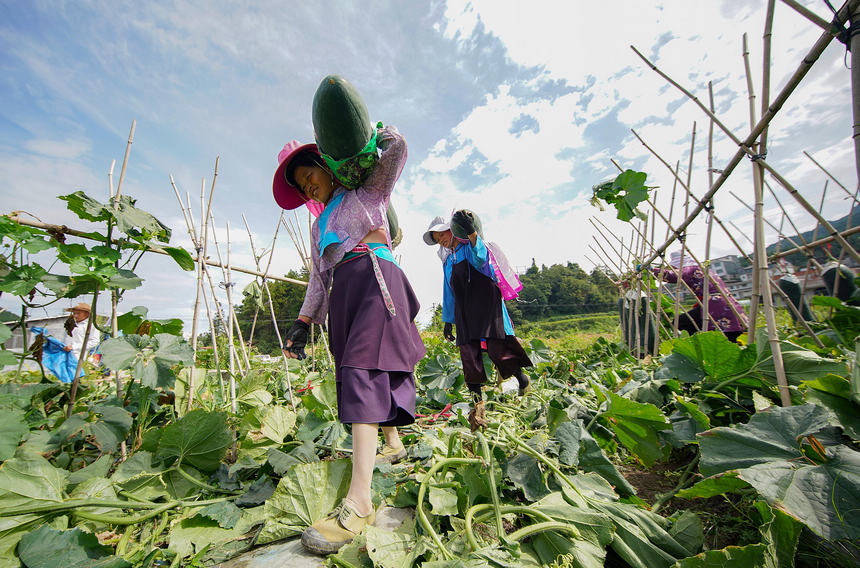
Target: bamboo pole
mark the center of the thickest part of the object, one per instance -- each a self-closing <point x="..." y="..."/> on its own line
<point x="709" y="221"/>
<point x="812" y="56"/>
<point x="837" y="276"/>
<point x="648" y="292"/>
<point x="114" y="301"/>
<point x="76" y="381"/>
<point x="780" y="234"/>
<point x="831" y="176"/>
<point x="810" y="256"/>
<point x="761" y="255"/>
<point x="228" y="285"/>
<point x="192" y="234"/>
<point x="808" y="14"/>
<point x="684" y="247"/>
<point x="854" y="48"/>
<point x="125" y="160"/>
<point x="87" y="235"/>
<point x="212" y="328"/>
<point x="272" y="306"/>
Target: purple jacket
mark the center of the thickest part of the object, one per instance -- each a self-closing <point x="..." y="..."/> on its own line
<point x="359" y="212"/>
<point x="717" y="305"/>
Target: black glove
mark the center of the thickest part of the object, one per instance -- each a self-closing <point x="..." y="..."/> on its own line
<point x="448" y="332"/>
<point x="298" y="335"/>
<point x="465" y="219"/>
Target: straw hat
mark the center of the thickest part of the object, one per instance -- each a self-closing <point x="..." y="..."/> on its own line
<point x="82" y="306"/>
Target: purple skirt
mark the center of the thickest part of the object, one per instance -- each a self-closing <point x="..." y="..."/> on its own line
<point x="375" y="353"/>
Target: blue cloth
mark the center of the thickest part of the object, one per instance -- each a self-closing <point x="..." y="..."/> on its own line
<point x="56" y="359"/>
<point x="479" y="258"/>
<point x="328" y="237"/>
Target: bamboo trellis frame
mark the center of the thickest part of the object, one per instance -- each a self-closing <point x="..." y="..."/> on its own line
<point x="755" y="147"/>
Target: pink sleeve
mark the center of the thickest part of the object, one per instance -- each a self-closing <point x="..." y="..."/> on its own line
<point x="315" y="305"/>
<point x="390" y="164"/>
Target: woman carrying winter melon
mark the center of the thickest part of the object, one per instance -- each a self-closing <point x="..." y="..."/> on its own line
<point x="371" y="309"/>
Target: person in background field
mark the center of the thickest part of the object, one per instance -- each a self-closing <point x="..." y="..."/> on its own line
<point x="76" y="327"/>
<point x="730" y="324"/>
<point x="371" y="310"/>
<point x="472" y="299"/>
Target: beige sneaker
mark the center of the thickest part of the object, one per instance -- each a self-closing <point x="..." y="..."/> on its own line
<point x="390" y="454"/>
<point x="328" y="535"/>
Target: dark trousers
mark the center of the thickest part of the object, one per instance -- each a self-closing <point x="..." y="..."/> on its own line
<point x="506" y="354"/>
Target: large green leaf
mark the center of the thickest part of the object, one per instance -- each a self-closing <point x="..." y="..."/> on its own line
<point x="579" y="449"/>
<point x="800" y="364"/>
<point x="715" y="355"/>
<point x="199" y="439"/>
<point x="304" y="495"/>
<point x="834" y="392"/>
<point x="595" y="531"/>
<point x="30" y="476"/>
<point x="771" y="435"/>
<point x="85" y="206"/>
<point x="49" y="548"/>
<point x="12" y="430"/>
<point x="388" y="549"/>
<point x="525" y="473"/>
<point x="769" y="453"/>
<point x="823" y="497"/>
<point x="151" y="358"/>
<point x="278" y="423"/>
<point x="780" y="532"/>
<point x="191" y="536"/>
<point x="181" y="256"/>
<point x="636" y="425"/>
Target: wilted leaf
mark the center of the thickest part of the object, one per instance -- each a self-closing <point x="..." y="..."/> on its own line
<point x="49" y="548"/>
<point x="199" y="439"/>
<point x="12" y="430"/>
<point x="304" y="495"/>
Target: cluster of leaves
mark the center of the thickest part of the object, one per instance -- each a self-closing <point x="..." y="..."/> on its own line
<point x="625" y="193"/>
<point x="103" y="266"/>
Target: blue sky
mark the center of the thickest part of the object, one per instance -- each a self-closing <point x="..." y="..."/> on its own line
<point x="511" y="109"/>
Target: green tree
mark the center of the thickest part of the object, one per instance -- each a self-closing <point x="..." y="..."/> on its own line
<point x="287" y="299"/>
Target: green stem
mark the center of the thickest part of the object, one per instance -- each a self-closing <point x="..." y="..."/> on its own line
<point x="685" y="476"/>
<point x="341" y="562"/>
<point x="485" y="449"/>
<point x="110" y="519"/>
<point x="526" y="449"/>
<point x="543" y="527"/>
<point x="422" y="490"/>
<point x="197" y="482"/>
<point x="75" y="503"/>
<point x="25" y="338"/>
<point x="519" y="509"/>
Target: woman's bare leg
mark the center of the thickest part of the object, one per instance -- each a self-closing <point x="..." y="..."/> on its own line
<point x="364" y="438"/>
<point x="392" y="438"/>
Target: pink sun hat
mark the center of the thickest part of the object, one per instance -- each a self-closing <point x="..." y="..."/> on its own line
<point x="286" y="194"/>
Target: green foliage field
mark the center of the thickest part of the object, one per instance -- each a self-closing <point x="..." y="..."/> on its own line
<point x="154" y="466"/>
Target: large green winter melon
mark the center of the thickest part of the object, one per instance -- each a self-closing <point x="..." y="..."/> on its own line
<point x="341" y="122"/>
<point x="460" y="232"/>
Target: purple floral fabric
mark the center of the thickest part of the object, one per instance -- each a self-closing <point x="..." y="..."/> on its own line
<point x="717" y="305"/>
<point x="361" y="211"/>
